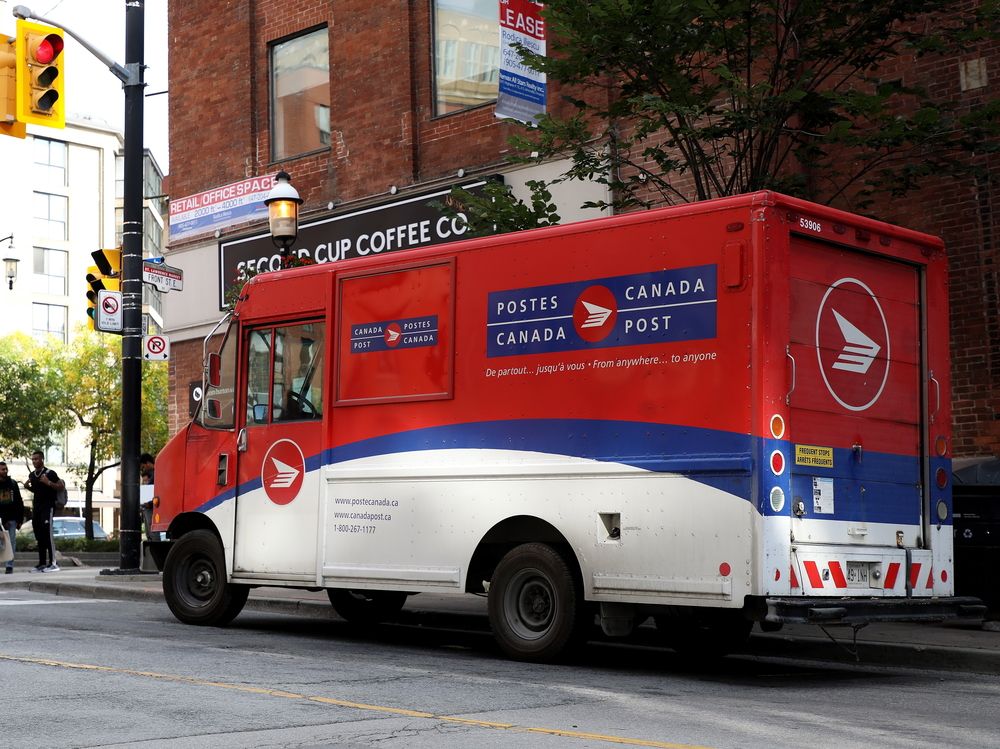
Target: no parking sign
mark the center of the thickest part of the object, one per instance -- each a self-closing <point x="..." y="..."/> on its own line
<point x="155" y="347"/>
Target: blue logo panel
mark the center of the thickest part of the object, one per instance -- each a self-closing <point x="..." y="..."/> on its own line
<point x="412" y="332"/>
<point x="646" y="308"/>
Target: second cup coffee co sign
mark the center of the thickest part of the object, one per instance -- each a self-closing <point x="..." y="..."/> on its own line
<point x="402" y="225"/>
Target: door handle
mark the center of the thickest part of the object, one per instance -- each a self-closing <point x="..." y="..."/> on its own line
<point x="241" y="440"/>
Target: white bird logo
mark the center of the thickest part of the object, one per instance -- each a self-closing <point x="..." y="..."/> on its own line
<point x="596" y="315"/>
<point x="860" y="350"/>
<point x="286" y="475"/>
<point x="393" y="335"/>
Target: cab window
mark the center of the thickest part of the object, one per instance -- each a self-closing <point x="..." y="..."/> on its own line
<point x="285" y="373"/>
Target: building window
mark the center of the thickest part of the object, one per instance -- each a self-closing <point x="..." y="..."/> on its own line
<point x="48" y="320"/>
<point x="120" y="176"/>
<point x="50" y="161"/>
<point x="55" y="453"/>
<point x="300" y="94"/>
<point x="466" y="53"/>
<point x="152" y="235"/>
<point x="50" y="216"/>
<point x="50" y="271"/>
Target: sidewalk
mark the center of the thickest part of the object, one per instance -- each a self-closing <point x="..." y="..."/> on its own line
<point x="966" y="647"/>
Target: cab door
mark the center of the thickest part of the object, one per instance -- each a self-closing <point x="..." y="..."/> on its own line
<point x="279" y="451"/>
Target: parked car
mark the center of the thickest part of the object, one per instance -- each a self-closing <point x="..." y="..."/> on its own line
<point x="66" y="527"/>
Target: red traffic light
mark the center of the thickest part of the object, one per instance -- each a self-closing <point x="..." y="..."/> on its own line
<point x="48" y="49"/>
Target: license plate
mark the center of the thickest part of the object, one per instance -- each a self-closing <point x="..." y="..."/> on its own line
<point x="857" y="574"/>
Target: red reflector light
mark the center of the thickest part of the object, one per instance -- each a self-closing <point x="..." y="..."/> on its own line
<point x="941" y="477"/>
<point x="48" y="49"/>
<point x="777" y="463"/>
<point x="724" y="569"/>
<point x="944" y="576"/>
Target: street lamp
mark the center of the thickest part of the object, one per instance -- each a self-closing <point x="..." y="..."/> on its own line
<point x="283" y="213"/>
<point x="10" y="263"/>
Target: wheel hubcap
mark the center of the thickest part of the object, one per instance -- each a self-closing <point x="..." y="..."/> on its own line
<point x="530" y="604"/>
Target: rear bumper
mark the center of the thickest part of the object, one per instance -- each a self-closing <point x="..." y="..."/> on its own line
<point x="776" y="611"/>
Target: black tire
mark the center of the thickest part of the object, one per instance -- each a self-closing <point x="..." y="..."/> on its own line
<point x="366" y="606"/>
<point x="698" y="635"/>
<point x="536" y="605"/>
<point x="194" y="582"/>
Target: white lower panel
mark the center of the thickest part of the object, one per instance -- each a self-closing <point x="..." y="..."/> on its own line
<point x="717" y="587"/>
<point x="355" y="573"/>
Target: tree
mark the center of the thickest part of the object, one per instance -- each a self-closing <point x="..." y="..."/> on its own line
<point x="678" y="100"/>
<point x="33" y="396"/>
<point x="91" y="368"/>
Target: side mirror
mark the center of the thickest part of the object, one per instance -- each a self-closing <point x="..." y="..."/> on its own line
<point x="214" y="407"/>
<point x="214" y="370"/>
<point x="260" y="413"/>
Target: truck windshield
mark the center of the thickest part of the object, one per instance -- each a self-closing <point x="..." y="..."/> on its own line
<point x="225" y="392"/>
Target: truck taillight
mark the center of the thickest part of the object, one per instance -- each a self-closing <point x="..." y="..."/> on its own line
<point x="941" y="478"/>
<point x="777" y="463"/>
<point x="777" y="427"/>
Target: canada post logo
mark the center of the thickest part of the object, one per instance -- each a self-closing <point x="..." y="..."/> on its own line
<point x="853" y="344"/>
<point x="282" y="471"/>
<point x="412" y="332"/>
<point x="662" y="307"/>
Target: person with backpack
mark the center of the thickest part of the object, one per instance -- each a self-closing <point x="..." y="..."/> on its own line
<point x="47" y="487"/>
<point x="11" y="511"/>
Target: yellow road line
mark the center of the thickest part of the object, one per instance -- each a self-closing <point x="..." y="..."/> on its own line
<point x="349" y="704"/>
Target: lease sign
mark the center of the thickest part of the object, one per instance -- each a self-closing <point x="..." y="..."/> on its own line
<point x="522" y="91"/>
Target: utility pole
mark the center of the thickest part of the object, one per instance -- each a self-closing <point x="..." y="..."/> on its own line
<point x="131" y="77"/>
<point x="131" y="539"/>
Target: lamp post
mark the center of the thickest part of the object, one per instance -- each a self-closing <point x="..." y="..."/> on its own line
<point x="10" y="269"/>
<point x="10" y="263"/>
<point x="283" y="203"/>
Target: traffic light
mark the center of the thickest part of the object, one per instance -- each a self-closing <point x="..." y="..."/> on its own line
<point x="108" y="262"/>
<point x="8" y="89"/>
<point x="39" y="72"/>
<point x="104" y="274"/>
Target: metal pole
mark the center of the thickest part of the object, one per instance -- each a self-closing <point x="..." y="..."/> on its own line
<point x="131" y="284"/>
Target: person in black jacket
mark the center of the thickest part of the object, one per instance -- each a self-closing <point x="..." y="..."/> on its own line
<point x="44" y="484"/>
<point x="11" y="510"/>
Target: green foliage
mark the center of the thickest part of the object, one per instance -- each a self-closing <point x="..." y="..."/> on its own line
<point x="678" y="100"/>
<point x="496" y="211"/>
<point x="27" y="542"/>
<point x="33" y="396"/>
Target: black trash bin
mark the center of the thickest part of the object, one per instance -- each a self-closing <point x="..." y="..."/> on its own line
<point x="976" y="495"/>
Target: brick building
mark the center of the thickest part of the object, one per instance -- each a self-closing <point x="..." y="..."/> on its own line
<point x="371" y="107"/>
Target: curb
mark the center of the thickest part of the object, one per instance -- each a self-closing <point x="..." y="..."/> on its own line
<point x="776" y="645"/>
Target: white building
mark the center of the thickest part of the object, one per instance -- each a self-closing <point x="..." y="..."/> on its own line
<point x="61" y="201"/>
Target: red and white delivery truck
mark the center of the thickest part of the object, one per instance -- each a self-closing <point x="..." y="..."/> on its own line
<point x="730" y="412"/>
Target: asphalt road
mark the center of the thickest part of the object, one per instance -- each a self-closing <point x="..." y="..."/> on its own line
<point x="106" y="673"/>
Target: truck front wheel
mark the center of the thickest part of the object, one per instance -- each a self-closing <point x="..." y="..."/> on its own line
<point x="536" y="606"/>
<point x="194" y="582"/>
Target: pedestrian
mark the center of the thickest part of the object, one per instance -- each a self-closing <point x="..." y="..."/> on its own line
<point x="44" y="484"/>
<point x="146" y="468"/>
<point x="11" y="511"/>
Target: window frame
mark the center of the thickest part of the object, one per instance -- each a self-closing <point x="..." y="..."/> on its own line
<point x="483" y="77"/>
<point x="272" y="48"/>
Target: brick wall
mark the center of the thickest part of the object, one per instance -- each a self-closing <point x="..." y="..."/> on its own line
<point x="383" y="133"/>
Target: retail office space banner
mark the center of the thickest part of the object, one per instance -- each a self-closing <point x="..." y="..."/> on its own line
<point x="522" y="90"/>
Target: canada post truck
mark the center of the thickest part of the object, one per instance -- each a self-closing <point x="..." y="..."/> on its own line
<point x="729" y="412"/>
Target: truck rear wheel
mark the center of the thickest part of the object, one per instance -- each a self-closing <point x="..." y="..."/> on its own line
<point x="536" y="606"/>
<point x="366" y="606"/>
<point x="194" y="581"/>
